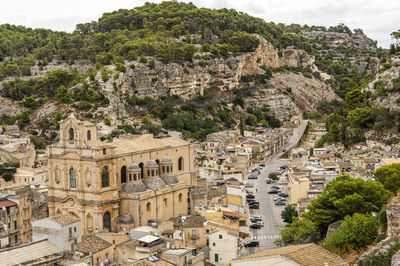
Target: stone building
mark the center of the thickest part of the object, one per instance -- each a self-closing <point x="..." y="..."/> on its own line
<point x="118" y="185"/>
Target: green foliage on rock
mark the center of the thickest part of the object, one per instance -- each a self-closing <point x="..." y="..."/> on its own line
<point x="107" y="121"/>
<point x="300" y="231"/>
<point x="273" y="176"/>
<point x="289" y="214"/>
<point x="389" y="176"/>
<point x="344" y="196"/>
<point x="356" y="232"/>
<point x="39" y="145"/>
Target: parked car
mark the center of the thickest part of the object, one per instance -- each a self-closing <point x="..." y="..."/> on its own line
<point x="279" y="198"/>
<point x="252" y="176"/>
<point x="262" y="165"/>
<point x="275" y="187"/>
<point x="250" y="201"/>
<point x="284" y="195"/>
<point x="254" y="202"/>
<point x="279" y="203"/>
<point x="254" y="206"/>
<point x="249" y="193"/>
<point x="249" y="185"/>
<point x="251" y="243"/>
<point x="268" y="181"/>
<point x="250" y="196"/>
<point x="255" y="226"/>
<point x="273" y="191"/>
<point x="284" y="150"/>
<point x="259" y="222"/>
<point x="220" y="182"/>
<point x="284" y="166"/>
<point x="255" y="219"/>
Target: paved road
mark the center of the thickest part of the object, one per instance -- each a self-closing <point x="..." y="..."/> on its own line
<point x="270" y="213"/>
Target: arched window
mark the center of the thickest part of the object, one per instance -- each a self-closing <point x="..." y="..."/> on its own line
<point x="141" y="170"/>
<point x="107" y="221"/>
<point x="180" y="197"/>
<point x="105" y="177"/>
<point x="89" y="135"/>
<point x="123" y="174"/>
<point x="165" y="202"/>
<point x="180" y="164"/>
<point x="72" y="178"/>
<point x="159" y="166"/>
<point x="71" y="134"/>
<point x="148" y="206"/>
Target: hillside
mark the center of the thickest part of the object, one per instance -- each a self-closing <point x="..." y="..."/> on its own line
<point x="190" y="69"/>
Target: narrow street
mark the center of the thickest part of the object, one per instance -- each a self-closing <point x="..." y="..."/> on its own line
<point x="270" y="213"/>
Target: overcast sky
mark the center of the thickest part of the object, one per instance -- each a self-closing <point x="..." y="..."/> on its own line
<point x="377" y="18"/>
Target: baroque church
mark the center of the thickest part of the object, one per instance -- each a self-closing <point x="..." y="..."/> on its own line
<point x="132" y="181"/>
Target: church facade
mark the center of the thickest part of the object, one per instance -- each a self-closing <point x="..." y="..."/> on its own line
<point x="116" y="186"/>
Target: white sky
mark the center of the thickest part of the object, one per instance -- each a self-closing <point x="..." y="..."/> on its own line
<point x="377" y="18"/>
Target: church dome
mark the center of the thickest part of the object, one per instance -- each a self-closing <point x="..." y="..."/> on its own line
<point x="170" y="179"/>
<point x="134" y="187"/>
<point x="154" y="183"/>
<point x="151" y="164"/>
<point x="133" y="167"/>
<point x="125" y="218"/>
<point x="166" y="160"/>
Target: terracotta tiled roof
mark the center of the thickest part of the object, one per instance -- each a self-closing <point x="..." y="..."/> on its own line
<point x="306" y="254"/>
<point x="92" y="244"/>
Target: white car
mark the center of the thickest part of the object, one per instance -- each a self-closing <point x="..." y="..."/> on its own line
<point x="249" y="185"/>
<point x="256" y="217"/>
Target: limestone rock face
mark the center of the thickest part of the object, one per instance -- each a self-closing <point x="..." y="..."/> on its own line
<point x="266" y="54"/>
<point x="7" y="107"/>
<point x="190" y="80"/>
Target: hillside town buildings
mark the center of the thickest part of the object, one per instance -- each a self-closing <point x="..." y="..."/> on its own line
<point x="141" y="200"/>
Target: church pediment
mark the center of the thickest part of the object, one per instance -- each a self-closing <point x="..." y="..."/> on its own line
<point x="70" y="155"/>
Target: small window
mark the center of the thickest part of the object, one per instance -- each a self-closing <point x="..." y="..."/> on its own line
<point x="74" y="229"/>
<point x="180" y="164"/>
<point x="148" y="207"/>
<point x="180" y="197"/>
<point x="16" y="238"/>
<point x="105" y="177"/>
<point x="165" y="202"/>
<point x="89" y="135"/>
<point x="220" y="236"/>
<point x="72" y="247"/>
<point x="71" y="134"/>
<point x="104" y="151"/>
<point x="70" y="232"/>
<point x="72" y="177"/>
<point x="213" y="244"/>
<point x="75" y="241"/>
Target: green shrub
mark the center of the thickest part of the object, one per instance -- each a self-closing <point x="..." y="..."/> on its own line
<point x="39" y="145"/>
<point x="321" y="142"/>
<point x="107" y="121"/>
<point x="105" y="77"/>
<point x="143" y="59"/>
<point x="356" y="232"/>
<point x="152" y="64"/>
<point x="8" y="176"/>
